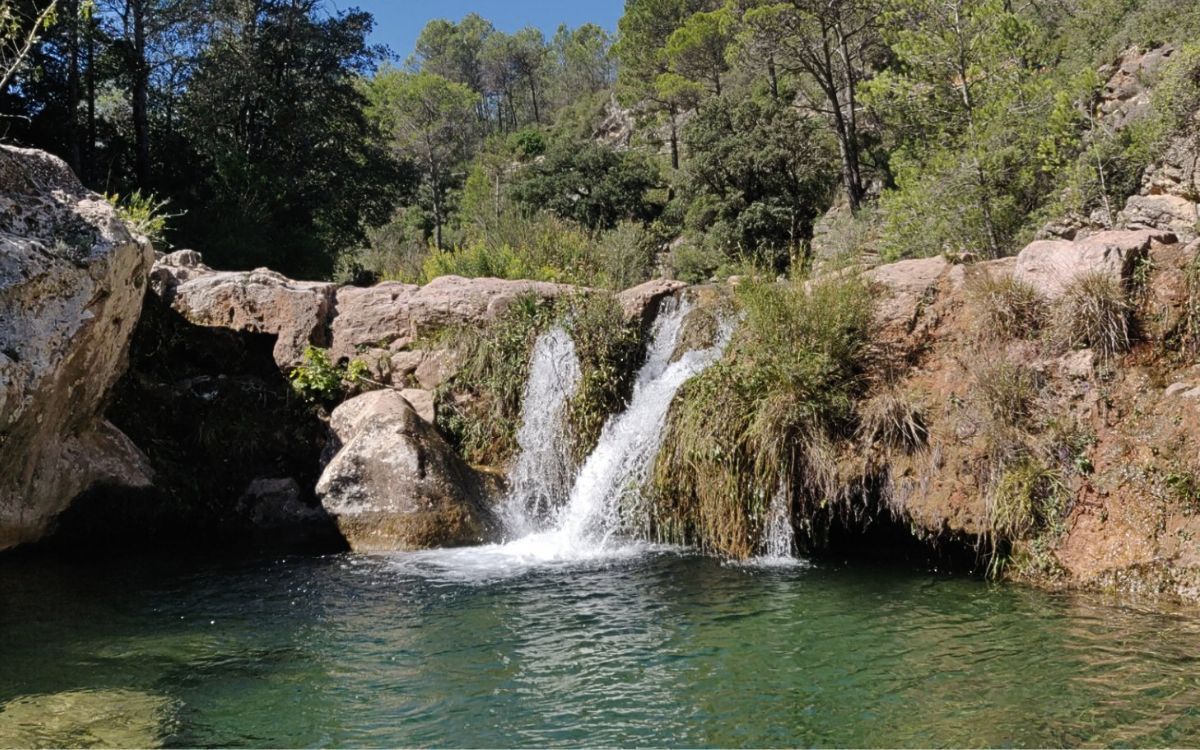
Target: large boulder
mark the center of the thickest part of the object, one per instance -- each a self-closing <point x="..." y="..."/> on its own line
<point x="392" y="316"/>
<point x="904" y="290"/>
<point x="258" y="301"/>
<point x="72" y="277"/>
<point x="1051" y="265"/>
<point x="396" y="484"/>
<point x="372" y="317"/>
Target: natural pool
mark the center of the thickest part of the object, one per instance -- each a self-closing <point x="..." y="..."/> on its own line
<point x="643" y="647"/>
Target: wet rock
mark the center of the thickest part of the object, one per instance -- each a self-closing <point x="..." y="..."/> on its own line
<point x="72" y="279"/>
<point x="395" y="484"/>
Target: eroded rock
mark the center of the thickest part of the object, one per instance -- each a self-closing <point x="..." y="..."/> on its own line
<point x="260" y="301"/>
<point x="72" y="279"/>
<point x="395" y="484"/>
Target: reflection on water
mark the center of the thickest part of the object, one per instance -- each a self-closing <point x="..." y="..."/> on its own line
<point x="645" y="647"/>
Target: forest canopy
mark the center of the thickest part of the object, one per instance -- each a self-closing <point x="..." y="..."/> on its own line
<point x="698" y="138"/>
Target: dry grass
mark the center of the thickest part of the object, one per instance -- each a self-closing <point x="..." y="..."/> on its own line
<point x="894" y="422"/>
<point x="1007" y="392"/>
<point x="1007" y="307"/>
<point x="1094" y="311"/>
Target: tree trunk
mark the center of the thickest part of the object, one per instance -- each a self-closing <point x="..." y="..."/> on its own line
<point x="74" y="146"/>
<point x="537" y="118"/>
<point x="674" y="139"/>
<point x="89" y="167"/>
<point x="141" y="89"/>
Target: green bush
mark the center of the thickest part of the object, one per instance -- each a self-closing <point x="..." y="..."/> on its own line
<point x="319" y="380"/>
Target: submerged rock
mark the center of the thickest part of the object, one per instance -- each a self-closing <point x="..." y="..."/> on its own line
<point x="86" y="718"/>
<point x="396" y="484"/>
<point x="71" y="284"/>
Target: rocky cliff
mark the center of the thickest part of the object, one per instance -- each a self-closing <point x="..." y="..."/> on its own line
<point x="71" y="284"/>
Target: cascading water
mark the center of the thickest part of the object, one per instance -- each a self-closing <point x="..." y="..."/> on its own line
<point x="542" y="473"/>
<point x="586" y="526"/>
<point x="779" y="536"/>
<point x="627" y="446"/>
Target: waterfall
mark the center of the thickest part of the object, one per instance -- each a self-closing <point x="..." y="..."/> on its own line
<point x="542" y="473"/>
<point x="628" y="444"/>
<point x="779" y="536"/>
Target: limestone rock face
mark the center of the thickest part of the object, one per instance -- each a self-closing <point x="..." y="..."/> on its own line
<point x="1051" y="265"/>
<point x="374" y="316"/>
<point x="1168" y="212"/>
<point x="640" y="303"/>
<point x="395" y="484"/>
<point x="905" y="288"/>
<point x="391" y="316"/>
<point x="259" y="301"/>
<point x="72" y="278"/>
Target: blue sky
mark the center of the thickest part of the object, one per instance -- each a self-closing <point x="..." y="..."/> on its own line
<point x="397" y="22"/>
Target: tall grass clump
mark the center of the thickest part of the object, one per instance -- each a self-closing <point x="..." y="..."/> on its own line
<point x="1008" y="307"/>
<point x="1094" y="312"/>
<point x="609" y="350"/>
<point x="766" y="417"/>
<point x="1025" y="454"/>
<point x="481" y="406"/>
<point x="893" y="421"/>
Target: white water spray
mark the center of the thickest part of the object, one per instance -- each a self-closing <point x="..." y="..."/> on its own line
<point x="542" y="474"/>
<point x="779" y="536"/>
<point x="587" y="526"/>
<point x="627" y="447"/>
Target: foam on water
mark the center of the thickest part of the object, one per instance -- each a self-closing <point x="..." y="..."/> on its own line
<point x="541" y="475"/>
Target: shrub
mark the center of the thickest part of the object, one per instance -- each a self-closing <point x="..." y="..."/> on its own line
<point x="144" y="214"/>
<point x="1008" y="307"/>
<point x="765" y="417"/>
<point x="1093" y="311"/>
<point x="319" y="380"/>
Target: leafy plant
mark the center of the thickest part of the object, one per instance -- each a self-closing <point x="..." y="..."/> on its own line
<point x="144" y="214"/>
<point x="319" y="380"/>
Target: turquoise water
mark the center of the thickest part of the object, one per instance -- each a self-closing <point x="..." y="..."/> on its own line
<point x="647" y="648"/>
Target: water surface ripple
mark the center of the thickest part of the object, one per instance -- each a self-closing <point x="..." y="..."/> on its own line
<point x="656" y="647"/>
